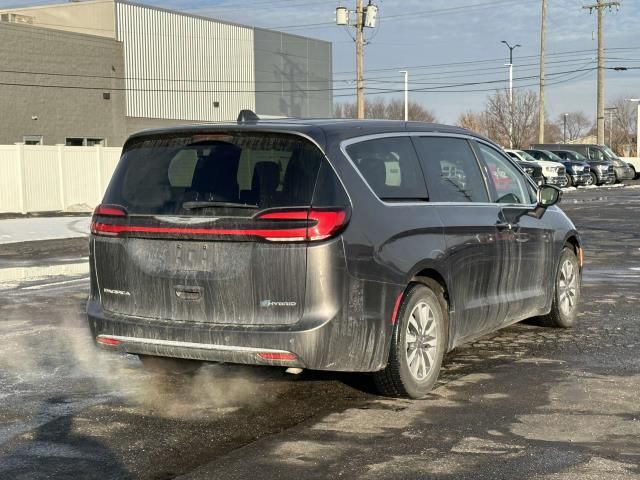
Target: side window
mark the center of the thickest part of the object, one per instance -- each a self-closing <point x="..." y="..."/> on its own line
<point x="595" y="154"/>
<point x="451" y="170"/>
<point x="390" y="167"/>
<point x="509" y="185"/>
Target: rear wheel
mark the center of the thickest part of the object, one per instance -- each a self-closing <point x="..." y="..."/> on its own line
<point x="418" y="344"/>
<point x="566" y="297"/>
<point x="169" y="366"/>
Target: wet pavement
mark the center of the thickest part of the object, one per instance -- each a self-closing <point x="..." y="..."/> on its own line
<point x="526" y="402"/>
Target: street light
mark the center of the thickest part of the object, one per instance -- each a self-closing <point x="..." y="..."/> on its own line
<point x="511" y="49"/>
<point x="610" y="110"/>
<point x="564" y="136"/>
<point x="637" y="100"/>
<point x="406" y="95"/>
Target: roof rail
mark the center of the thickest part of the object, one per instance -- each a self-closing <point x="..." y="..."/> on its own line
<point x="247" y="116"/>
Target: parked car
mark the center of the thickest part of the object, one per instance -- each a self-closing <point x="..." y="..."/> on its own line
<point x="601" y="172"/>
<point x="576" y="173"/>
<point x="623" y="171"/>
<point x="554" y="172"/>
<point x="530" y="167"/>
<point x="354" y="246"/>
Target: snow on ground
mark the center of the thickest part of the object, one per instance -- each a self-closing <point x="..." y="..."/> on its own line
<point x="43" y="228"/>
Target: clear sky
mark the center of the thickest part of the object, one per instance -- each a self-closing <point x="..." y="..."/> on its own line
<point x="452" y="48"/>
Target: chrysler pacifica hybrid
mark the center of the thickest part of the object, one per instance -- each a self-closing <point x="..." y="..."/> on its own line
<point x="359" y="246"/>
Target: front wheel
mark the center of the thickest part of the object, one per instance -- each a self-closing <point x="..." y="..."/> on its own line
<point x="564" y="308"/>
<point x="594" y="179"/>
<point x="169" y="366"/>
<point x="635" y="174"/>
<point x="569" y="181"/>
<point x="418" y="344"/>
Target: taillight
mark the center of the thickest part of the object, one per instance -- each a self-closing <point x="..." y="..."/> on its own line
<point x="321" y="224"/>
<point x="111" y="342"/>
<point x="275" y="226"/>
<point x="99" y="228"/>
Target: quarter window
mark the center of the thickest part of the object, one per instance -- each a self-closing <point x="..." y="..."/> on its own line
<point x="509" y="185"/>
<point x="390" y="167"/>
<point x="451" y="170"/>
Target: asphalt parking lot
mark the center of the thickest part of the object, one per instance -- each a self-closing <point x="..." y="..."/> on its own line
<point x="526" y="402"/>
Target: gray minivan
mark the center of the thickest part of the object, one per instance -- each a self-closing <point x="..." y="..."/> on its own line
<point x="361" y="246"/>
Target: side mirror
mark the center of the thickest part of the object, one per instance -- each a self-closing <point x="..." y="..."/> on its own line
<point x="548" y="195"/>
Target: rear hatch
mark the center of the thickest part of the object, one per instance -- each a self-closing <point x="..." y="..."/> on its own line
<point x="211" y="228"/>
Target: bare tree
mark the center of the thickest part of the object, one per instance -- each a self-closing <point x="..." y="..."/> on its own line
<point x="624" y="126"/>
<point x="525" y="117"/>
<point x="476" y="122"/>
<point x="383" y="109"/>
<point x="578" y="125"/>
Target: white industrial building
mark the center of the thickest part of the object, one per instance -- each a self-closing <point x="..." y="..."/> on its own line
<point x="178" y="67"/>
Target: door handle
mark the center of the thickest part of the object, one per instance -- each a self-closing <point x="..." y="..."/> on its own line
<point x="504" y="226"/>
<point x="188" y="293"/>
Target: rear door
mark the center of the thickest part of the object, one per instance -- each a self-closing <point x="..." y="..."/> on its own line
<point x="208" y="228"/>
<point x="474" y="241"/>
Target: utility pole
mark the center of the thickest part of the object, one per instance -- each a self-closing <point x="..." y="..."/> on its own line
<point x="359" y="59"/>
<point x="541" y="99"/>
<point x="564" y="135"/>
<point x="366" y="17"/>
<point x="610" y="112"/>
<point x="511" y="49"/>
<point x="600" y="5"/>
<point x="406" y="94"/>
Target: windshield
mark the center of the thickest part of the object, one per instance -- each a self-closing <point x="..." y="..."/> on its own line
<point x="609" y="154"/>
<point x="577" y="156"/>
<point x="224" y="173"/>
<point x="553" y="157"/>
<point x="526" y="156"/>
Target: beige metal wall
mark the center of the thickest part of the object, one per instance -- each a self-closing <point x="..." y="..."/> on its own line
<point x="92" y="17"/>
<point x="180" y="66"/>
<point x="54" y="178"/>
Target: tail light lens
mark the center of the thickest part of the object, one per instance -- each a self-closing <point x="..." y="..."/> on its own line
<point x="308" y="225"/>
<point x="320" y="224"/>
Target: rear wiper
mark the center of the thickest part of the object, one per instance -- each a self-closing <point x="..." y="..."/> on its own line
<point x="204" y="204"/>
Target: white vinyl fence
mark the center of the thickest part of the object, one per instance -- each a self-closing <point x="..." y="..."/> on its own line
<point x="39" y="178"/>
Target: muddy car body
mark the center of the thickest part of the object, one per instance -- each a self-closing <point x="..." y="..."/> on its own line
<point x="321" y="245"/>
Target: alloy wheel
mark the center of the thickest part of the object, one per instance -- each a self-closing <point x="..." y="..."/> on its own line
<point x="567" y="287"/>
<point x="421" y="341"/>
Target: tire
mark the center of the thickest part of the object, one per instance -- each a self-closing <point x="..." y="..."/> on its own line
<point x="617" y="179"/>
<point x="635" y="174"/>
<point x="569" y="181"/>
<point x="564" y="308"/>
<point x="169" y="366"/>
<point x="423" y="315"/>
<point x="594" y="178"/>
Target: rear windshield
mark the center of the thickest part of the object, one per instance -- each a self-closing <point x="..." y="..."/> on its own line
<point x="193" y="174"/>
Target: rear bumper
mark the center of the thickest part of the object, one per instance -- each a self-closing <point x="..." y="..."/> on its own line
<point x="319" y="346"/>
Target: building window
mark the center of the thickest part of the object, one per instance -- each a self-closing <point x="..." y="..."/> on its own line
<point x="84" y="142"/>
<point x="32" y="140"/>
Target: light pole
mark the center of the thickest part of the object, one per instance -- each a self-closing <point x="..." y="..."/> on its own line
<point x="406" y="94"/>
<point x="610" y="111"/>
<point x="564" y="135"/>
<point x="511" y="49"/>
<point x="637" y="100"/>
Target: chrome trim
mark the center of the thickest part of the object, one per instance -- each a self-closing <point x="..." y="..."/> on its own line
<point x="201" y="346"/>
